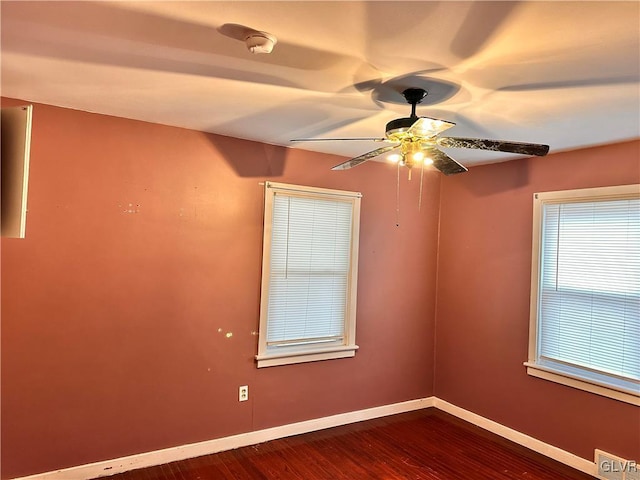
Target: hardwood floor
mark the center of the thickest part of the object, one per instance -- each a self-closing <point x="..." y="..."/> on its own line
<point x="425" y="444"/>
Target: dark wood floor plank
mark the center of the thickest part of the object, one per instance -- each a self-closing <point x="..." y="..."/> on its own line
<point x="421" y="445"/>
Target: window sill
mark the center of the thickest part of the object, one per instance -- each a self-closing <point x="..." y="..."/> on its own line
<point x="288" y="358"/>
<point x="624" y="391"/>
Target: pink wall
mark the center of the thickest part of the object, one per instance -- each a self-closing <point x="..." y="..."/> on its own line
<point x="483" y="302"/>
<point x="114" y="323"/>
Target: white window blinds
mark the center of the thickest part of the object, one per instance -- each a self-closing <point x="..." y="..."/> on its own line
<point x="309" y="274"/>
<point x="310" y="253"/>
<point x="589" y="292"/>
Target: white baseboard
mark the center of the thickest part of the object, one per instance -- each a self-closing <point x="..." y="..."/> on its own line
<point x="183" y="452"/>
<point x="531" y="443"/>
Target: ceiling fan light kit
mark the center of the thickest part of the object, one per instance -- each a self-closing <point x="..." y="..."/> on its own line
<point x="260" y="42"/>
<point x="417" y="142"/>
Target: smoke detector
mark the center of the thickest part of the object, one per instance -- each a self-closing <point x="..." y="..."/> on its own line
<point x="260" y="42"/>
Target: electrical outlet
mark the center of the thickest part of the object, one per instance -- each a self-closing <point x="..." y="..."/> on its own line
<point x="243" y="393"/>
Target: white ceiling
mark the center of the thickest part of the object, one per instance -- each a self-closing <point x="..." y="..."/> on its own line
<point x="561" y="73"/>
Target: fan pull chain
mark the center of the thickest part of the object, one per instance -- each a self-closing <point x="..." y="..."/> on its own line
<point x="420" y="197"/>
<point x="398" y="197"/>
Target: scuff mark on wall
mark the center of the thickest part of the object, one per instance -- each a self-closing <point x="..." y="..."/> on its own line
<point x="130" y="208"/>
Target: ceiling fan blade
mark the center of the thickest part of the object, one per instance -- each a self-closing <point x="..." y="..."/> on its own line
<point x="354" y="162"/>
<point x="370" y="139"/>
<point x="495" y="145"/>
<point x="428" y="127"/>
<point x="444" y="162"/>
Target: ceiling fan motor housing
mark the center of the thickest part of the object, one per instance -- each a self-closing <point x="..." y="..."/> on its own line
<point x="398" y="126"/>
<point x="395" y="128"/>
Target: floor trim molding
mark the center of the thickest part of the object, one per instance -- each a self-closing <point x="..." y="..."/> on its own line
<point x="183" y="452"/>
<point x="515" y="436"/>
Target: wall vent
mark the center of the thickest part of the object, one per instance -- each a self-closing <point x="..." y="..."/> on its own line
<point x="612" y="467"/>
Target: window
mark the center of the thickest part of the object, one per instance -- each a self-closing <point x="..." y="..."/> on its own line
<point x="309" y="275"/>
<point x="585" y="295"/>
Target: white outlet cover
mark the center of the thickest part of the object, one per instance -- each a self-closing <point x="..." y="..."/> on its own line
<point x="243" y="393"/>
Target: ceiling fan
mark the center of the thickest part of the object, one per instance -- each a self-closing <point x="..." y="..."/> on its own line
<point x="417" y="142"/>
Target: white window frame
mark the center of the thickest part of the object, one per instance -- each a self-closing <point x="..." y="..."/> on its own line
<point x="346" y="347"/>
<point x="581" y="378"/>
